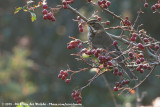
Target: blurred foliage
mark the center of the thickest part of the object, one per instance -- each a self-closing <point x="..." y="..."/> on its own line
<point x="32" y="54"/>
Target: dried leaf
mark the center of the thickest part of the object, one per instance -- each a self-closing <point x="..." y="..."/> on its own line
<point x="132" y="91"/>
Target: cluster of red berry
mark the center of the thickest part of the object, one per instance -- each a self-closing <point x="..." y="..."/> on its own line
<point x="120" y="84"/>
<point x="127" y="22"/>
<point x="104" y="3"/>
<point x="49" y="16"/>
<point x="95" y="52"/>
<point x="80" y="26"/>
<point x="63" y="75"/>
<point x="141" y="67"/>
<point x="154" y="7"/>
<point x="74" y="44"/>
<point x="65" y="2"/>
<point x="117" y="72"/>
<point x="77" y="97"/>
<point x="134" y="35"/>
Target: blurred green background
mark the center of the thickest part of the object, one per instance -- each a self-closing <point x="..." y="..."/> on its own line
<point x="32" y="54"/>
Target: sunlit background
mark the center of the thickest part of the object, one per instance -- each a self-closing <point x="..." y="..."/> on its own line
<point x="32" y="54"/>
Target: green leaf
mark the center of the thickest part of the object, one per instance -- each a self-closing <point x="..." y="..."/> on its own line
<point x="33" y="16"/>
<point x="17" y="10"/>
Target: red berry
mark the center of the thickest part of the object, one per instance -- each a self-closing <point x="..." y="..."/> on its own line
<point x="133" y="38"/>
<point x="84" y="50"/>
<point x="49" y="16"/>
<point x="130" y="54"/>
<point x="45" y="6"/>
<point x="131" y="57"/>
<point x="115" y="73"/>
<point x="80" y="25"/>
<point x="76" y="98"/>
<point x="67" y="81"/>
<point x="81" y="29"/>
<point x="127" y="81"/>
<point x="60" y="76"/>
<point x="138" y="61"/>
<point x="157" y="6"/>
<point x="99" y="2"/>
<point x="110" y="63"/>
<point x="63" y="77"/>
<point x="104" y="6"/>
<point x="77" y="93"/>
<point x="44" y="11"/>
<point x="115" y="89"/>
<point x="80" y="45"/>
<point x="134" y="34"/>
<point x="53" y="19"/>
<point x="69" y="47"/>
<point x="107" y="22"/>
<point x="100" y="58"/>
<point x="62" y="72"/>
<point x="141" y="70"/>
<point x="141" y="65"/>
<point x="138" y="68"/>
<point x="145" y="4"/>
<point x="153" y="7"/>
<point x="115" y="42"/>
<point x="73" y="94"/>
<point x="108" y="3"/>
<point x="145" y="66"/>
<point x="146" y="40"/>
<point x="103" y="1"/>
<point x="66" y="73"/>
<point x="79" y="101"/>
<point x="141" y="59"/>
<point x="156" y="47"/>
<point x="64" y="2"/>
<point x="108" y="58"/>
<point x="117" y="84"/>
<point x="45" y="17"/>
<point x="141" y="55"/>
<point x="115" y="69"/>
<point x="120" y="73"/>
<point x="140" y="46"/>
<point x="78" y="17"/>
<point x="99" y="18"/>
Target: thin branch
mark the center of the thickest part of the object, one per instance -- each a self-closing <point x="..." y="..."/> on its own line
<point x="111" y="13"/>
<point x="139" y="13"/>
<point x="76" y="12"/>
<point x="144" y="78"/>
